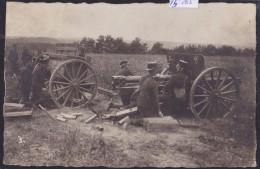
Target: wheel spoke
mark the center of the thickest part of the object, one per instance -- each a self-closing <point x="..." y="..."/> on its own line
<point x="63" y="83"/>
<point x="219" y="75"/>
<point x="64" y="77"/>
<point x="63" y="94"/>
<point x="222" y="82"/>
<point x="204" y="89"/>
<point x="226" y="98"/>
<point x="77" y="75"/>
<point x="228" y="92"/>
<point x="208" y="83"/>
<point x="68" y="95"/>
<point x="209" y="109"/>
<point x="82" y="75"/>
<point x="60" y="88"/>
<point x="82" y="80"/>
<point x="87" y="84"/>
<point x="83" y="94"/>
<point x="226" y="106"/>
<point x="199" y="103"/>
<point x="65" y="67"/>
<point x="219" y="107"/>
<point x="72" y="99"/>
<point x="86" y="90"/>
<point x="73" y="71"/>
<point x="201" y="95"/>
<point x="226" y="86"/>
<point x="203" y="108"/>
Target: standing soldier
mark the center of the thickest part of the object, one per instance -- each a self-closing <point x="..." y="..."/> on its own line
<point x="125" y="69"/>
<point x="26" y="80"/>
<point x="39" y="76"/>
<point x="26" y="56"/>
<point x="125" y="72"/>
<point x="147" y="99"/>
<point x="13" y="58"/>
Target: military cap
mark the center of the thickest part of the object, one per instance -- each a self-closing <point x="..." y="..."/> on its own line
<point x="123" y="63"/>
<point x="183" y="63"/>
<point x="43" y="59"/>
<point x="152" y="66"/>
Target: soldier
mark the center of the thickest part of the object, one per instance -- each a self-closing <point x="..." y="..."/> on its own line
<point x="82" y="47"/>
<point x="147" y="100"/>
<point x="39" y="76"/>
<point x="178" y="80"/>
<point x="26" y="56"/>
<point x="26" y="80"/>
<point x="125" y="69"/>
<point x="13" y="58"/>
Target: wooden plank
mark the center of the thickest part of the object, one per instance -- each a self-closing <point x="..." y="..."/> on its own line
<point x="17" y="114"/>
<point x="91" y="118"/>
<point x="123" y="120"/>
<point x="14" y="105"/>
<point x="68" y="116"/>
<point x="61" y="119"/>
<point x="164" y="124"/>
<point x="16" y="109"/>
<point x="76" y="114"/>
<point x="126" y="111"/>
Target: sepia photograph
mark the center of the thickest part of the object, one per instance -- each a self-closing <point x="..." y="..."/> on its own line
<point x="130" y="85"/>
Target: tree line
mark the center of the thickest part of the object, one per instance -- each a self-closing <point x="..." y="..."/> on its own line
<point x="108" y="44"/>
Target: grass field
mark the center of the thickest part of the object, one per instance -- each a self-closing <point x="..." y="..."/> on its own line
<point x="40" y="141"/>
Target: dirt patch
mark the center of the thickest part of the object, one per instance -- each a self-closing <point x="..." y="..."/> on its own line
<point x="41" y="141"/>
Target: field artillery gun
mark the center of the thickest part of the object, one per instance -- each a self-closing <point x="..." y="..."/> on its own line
<point x="211" y="92"/>
<point x="73" y="82"/>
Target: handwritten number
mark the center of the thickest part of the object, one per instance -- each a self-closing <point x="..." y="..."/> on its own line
<point x="173" y="3"/>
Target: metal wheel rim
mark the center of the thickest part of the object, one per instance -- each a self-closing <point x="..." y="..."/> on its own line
<point x="217" y="99"/>
<point x="77" y="83"/>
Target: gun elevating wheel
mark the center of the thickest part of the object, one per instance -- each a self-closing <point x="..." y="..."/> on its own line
<point x="214" y="93"/>
<point x="73" y="84"/>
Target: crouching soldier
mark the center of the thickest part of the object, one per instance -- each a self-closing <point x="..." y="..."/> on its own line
<point x="40" y="75"/>
<point x="147" y="100"/>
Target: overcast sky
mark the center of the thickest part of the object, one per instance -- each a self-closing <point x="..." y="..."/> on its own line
<point x="217" y="23"/>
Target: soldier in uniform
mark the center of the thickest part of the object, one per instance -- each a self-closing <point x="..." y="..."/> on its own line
<point x="26" y="80"/>
<point x="125" y="69"/>
<point x="178" y="80"/>
<point x="125" y="72"/>
<point x="39" y="76"/>
<point x="26" y="56"/>
<point x="147" y="100"/>
<point x="13" y="58"/>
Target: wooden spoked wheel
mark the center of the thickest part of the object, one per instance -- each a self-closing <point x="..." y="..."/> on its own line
<point x="73" y="84"/>
<point x="214" y="93"/>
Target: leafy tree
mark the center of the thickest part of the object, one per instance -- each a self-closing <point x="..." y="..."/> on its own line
<point x="157" y="48"/>
<point x="100" y="44"/>
<point x="137" y="47"/>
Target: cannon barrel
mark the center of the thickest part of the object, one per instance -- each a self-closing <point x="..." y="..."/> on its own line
<point x="119" y="82"/>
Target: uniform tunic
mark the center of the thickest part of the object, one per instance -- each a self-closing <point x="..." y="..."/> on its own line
<point x="147" y="99"/>
<point x="176" y="81"/>
<point x="38" y="79"/>
<point x="26" y="57"/>
<point x="13" y="57"/>
<point x="26" y="81"/>
<point x="125" y="96"/>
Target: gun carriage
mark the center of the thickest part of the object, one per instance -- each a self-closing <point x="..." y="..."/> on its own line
<point x="73" y="82"/>
<point x="211" y="92"/>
